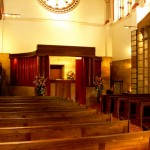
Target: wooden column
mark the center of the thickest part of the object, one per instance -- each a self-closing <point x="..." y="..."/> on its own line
<point x="43" y="70"/>
<point x="0" y="79"/>
<point x="80" y="82"/>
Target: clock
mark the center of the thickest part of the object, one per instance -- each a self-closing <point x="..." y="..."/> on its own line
<point x="59" y="6"/>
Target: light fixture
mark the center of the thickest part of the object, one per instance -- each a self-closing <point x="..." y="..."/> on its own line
<point x="59" y="6"/>
<point x="128" y="27"/>
<point x="6" y="15"/>
<point x="11" y="15"/>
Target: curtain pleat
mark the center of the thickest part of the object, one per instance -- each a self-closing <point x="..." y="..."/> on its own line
<point x="80" y="82"/>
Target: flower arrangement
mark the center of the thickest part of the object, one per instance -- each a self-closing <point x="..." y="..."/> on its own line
<point x="98" y="86"/>
<point x="70" y="75"/>
<point x="40" y="85"/>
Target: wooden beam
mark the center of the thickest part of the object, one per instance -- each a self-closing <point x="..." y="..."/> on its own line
<point x="22" y="55"/>
<point x="144" y="22"/>
<point x="75" y="51"/>
<point x="1" y="8"/>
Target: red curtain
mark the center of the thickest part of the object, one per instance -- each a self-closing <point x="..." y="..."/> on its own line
<point x="23" y="71"/>
<point x="80" y="82"/>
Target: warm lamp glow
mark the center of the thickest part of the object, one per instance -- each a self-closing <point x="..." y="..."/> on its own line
<point x="11" y="15"/>
<point x="78" y="58"/>
<point x="15" y="61"/>
<point x="128" y="27"/>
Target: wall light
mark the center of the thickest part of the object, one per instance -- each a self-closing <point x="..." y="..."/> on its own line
<point x="11" y="15"/>
<point x="128" y="27"/>
<point x="6" y="15"/>
<point x="78" y="58"/>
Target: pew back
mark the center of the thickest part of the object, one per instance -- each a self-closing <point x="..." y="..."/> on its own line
<point x="138" y="141"/>
<point x="29" y="133"/>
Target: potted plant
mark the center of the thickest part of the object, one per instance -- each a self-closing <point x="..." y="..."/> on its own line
<point x="40" y="85"/>
<point x="98" y="86"/>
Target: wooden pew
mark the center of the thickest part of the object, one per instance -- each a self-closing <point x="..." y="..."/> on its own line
<point x="125" y="141"/>
<point x="34" y="99"/>
<point x="109" y="100"/>
<point x="80" y="130"/>
<point x="29" y="133"/>
<point x="29" y="98"/>
<point x="39" y="108"/>
<point x="52" y="104"/>
<point x="38" y="102"/>
<point x="54" y="113"/>
<point x="28" y="105"/>
<point x="137" y="115"/>
<point x="126" y="106"/>
<point x="143" y="120"/>
<point x="16" y="122"/>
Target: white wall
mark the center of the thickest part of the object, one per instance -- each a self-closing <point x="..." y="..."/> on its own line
<point x="84" y="26"/>
<point x="121" y="38"/>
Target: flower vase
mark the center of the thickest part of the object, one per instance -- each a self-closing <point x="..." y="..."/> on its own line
<point x="98" y="96"/>
<point x="39" y="94"/>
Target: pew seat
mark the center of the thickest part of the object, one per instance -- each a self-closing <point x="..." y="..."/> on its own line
<point x="128" y="141"/>
<point x="15" y="122"/>
<point x="10" y="134"/>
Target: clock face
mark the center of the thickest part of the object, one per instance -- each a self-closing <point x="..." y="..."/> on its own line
<point x="59" y="6"/>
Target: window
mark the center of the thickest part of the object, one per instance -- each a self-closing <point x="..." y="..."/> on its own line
<point x="117" y="12"/>
<point x="122" y="8"/>
<point x="59" y="6"/>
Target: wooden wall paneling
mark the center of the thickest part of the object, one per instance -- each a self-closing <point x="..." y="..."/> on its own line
<point x="97" y="66"/>
<point x="43" y="68"/>
<point x="55" y="50"/>
<point x="42" y="63"/>
<point x="1" y="79"/>
<point x="87" y="66"/>
<point x="1" y="8"/>
<point x="92" y="67"/>
<point x="144" y="22"/>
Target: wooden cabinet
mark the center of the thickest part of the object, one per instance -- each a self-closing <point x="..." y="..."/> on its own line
<point x="64" y="88"/>
<point x="0" y="79"/>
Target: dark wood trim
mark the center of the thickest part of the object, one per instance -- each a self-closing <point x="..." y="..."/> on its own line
<point x="56" y="50"/>
<point x="22" y="55"/>
<point x="75" y="51"/>
<point x="135" y="5"/>
<point x="144" y="22"/>
<point x="1" y="8"/>
<point x="62" y="80"/>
